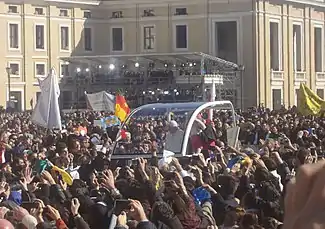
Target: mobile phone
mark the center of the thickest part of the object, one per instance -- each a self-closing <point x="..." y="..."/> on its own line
<point x="135" y="162"/>
<point x="29" y="205"/>
<point x="168" y="183"/>
<point x="60" y="177"/>
<point x="45" y="210"/>
<point x="169" y="176"/>
<point x="121" y="205"/>
<point x="212" y="157"/>
<point x="195" y="157"/>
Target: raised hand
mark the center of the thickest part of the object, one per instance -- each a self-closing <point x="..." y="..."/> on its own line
<point x="304" y="201"/>
<point x="137" y="211"/>
<point x="108" y="179"/>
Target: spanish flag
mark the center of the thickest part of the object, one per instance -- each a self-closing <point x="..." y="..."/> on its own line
<point x="308" y="102"/>
<point x="121" y="108"/>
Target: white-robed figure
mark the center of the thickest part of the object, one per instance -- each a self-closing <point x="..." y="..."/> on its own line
<point x="174" y="138"/>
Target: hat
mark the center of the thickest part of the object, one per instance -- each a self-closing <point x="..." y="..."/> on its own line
<point x="173" y="123"/>
<point x="29" y="222"/>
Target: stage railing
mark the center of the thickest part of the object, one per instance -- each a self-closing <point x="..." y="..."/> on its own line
<point x="126" y="81"/>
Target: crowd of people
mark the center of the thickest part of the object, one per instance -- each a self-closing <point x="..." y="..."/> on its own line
<point x="66" y="178"/>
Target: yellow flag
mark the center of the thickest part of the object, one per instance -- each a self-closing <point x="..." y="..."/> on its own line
<point x="309" y="103"/>
<point x="65" y="176"/>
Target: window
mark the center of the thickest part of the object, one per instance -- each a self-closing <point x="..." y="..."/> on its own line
<point x="13" y="9"/>
<point x="181" y="11"/>
<point x="64" y="13"/>
<point x="39" y="11"/>
<point x="14" y="69"/>
<point x="277" y="99"/>
<point x="318" y="49"/>
<point x="320" y="93"/>
<point x="38" y="95"/>
<point x="181" y="36"/>
<point x="117" y="14"/>
<point x="87" y="14"/>
<point x="40" y="69"/>
<point x="64" y="67"/>
<point x="87" y="39"/>
<point x="13" y="36"/>
<point x="117" y="39"/>
<point x="39" y="37"/>
<point x="297" y="48"/>
<point x="148" y="13"/>
<point x="275" y="46"/>
<point x="148" y="37"/>
<point x="65" y="38"/>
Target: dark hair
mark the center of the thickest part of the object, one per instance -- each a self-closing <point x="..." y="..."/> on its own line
<point x="302" y="154"/>
<point x="228" y="184"/>
<point x="270" y="163"/>
<point x="249" y="220"/>
<point x="162" y="211"/>
<point x="249" y="201"/>
<point x="261" y="174"/>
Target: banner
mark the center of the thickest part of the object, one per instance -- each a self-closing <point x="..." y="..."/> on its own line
<point x="109" y="121"/>
<point x="232" y="136"/>
<point x="101" y="101"/>
<point x="308" y="102"/>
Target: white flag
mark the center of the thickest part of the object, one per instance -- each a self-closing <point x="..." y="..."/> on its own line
<point x="47" y="110"/>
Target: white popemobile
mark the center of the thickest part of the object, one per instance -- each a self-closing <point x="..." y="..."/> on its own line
<point x="177" y="139"/>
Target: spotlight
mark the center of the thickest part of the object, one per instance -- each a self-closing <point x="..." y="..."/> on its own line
<point x="166" y="65"/>
<point x="183" y="65"/>
<point x="175" y="90"/>
<point x="144" y="92"/>
<point x="99" y="66"/>
<point x="87" y="69"/>
<point x="123" y="66"/>
<point x="194" y="64"/>
<point x="190" y="64"/>
<point x="78" y="69"/>
<point x="136" y="65"/>
<point x="111" y="66"/>
<point x="174" y="65"/>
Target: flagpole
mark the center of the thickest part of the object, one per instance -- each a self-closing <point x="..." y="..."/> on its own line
<point x="50" y="98"/>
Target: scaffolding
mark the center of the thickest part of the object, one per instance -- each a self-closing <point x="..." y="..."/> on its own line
<point x="189" y="68"/>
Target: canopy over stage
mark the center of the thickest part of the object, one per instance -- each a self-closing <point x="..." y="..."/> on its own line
<point x="160" y="59"/>
<point x="218" y="78"/>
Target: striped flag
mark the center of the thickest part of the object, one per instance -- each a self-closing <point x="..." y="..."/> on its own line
<point x="121" y="108"/>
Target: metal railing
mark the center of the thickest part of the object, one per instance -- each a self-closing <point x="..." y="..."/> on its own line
<point x="122" y="81"/>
